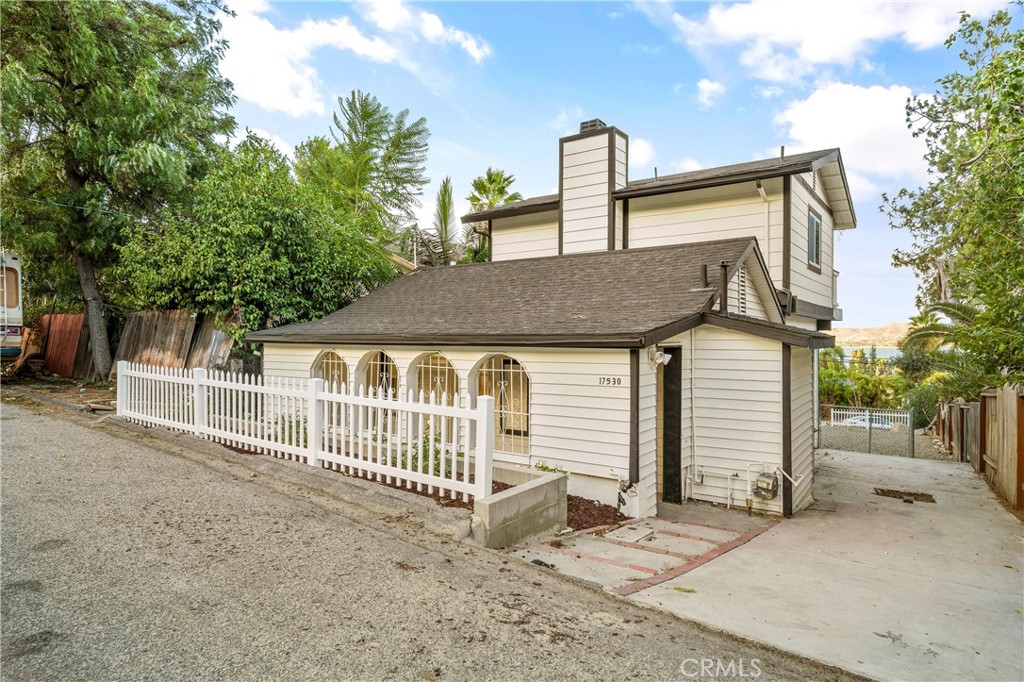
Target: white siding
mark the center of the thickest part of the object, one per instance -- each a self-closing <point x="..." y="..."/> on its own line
<point x="737" y="399"/>
<point x="743" y="296"/>
<point x="805" y="283"/>
<point x="647" y="492"/>
<point x="585" y="192"/>
<point x="716" y="213"/>
<point x="528" y="236"/>
<point x="576" y="424"/>
<point x="802" y="419"/>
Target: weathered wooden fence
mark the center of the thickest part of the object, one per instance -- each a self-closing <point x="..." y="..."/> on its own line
<point x="421" y="442"/>
<point x="990" y="435"/>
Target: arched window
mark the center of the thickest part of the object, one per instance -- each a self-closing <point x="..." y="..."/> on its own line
<point x="381" y="375"/>
<point x="332" y="369"/>
<point x="434" y="374"/>
<point x="505" y="380"/>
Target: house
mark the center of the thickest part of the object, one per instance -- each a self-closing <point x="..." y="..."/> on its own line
<point x="654" y="338"/>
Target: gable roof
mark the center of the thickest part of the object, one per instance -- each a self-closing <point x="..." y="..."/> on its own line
<point x="828" y="161"/>
<point x="613" y="299"/>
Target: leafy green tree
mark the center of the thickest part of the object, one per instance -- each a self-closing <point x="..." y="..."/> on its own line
<point x="251" y="240"/>
<point x="375" y="168"/>
<point x="108" y="109"/>
<point x="490" y="190"/>
<point x="968" y="222"/>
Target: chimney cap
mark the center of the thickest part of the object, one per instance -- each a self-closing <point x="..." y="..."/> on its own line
<point x="592" y="124"/>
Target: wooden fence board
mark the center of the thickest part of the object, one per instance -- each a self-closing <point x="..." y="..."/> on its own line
<point x="212" y="346"/>
<point x="62" y="342"/>
<point x="159" y="338"/>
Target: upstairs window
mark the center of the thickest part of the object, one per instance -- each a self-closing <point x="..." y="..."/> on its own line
<point x="813" y="238"/>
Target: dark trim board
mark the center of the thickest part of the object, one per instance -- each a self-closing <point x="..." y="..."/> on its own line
<point x="490" y="240"/>
<point x="634" y="415"/>
<point x="787" y="429"/>
<point x="625" y="223"/>
<point x="561" y="179"/>
<point x="787" y="229"/>
<point x="788" y="335"/>
<point x="814" y="195"/>
<point x="799" y="306"/>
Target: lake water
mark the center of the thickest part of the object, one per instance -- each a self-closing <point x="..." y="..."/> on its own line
<point x="883" y="352"/>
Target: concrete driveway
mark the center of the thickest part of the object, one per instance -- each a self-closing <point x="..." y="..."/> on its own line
<point x="874" y="584"/>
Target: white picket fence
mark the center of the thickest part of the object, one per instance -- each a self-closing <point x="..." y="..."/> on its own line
<point x="861" y="416"/>
<point x="421" y="442"/>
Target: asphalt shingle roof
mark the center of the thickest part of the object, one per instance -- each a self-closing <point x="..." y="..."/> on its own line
<point x="602" y="299"/>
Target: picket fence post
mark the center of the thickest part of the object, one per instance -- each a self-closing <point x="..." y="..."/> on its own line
<point x="122" y="387"/>
<point x="484" y="445"/>
<point x="199" y="404"/>
<point x="314" y="422"/>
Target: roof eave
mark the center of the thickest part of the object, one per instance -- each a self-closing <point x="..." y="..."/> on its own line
<point x="528" y="340"/>
<point x="510" y="211"/>
<point x="746" y="176"/>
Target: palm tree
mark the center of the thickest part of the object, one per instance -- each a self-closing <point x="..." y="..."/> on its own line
<point x="490" y="190"/>
<point x="957" y="372"/>
<point x="927" y="328"/>
<point x="442" y="246"/>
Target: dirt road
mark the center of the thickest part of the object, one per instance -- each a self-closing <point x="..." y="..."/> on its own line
<point x="129" y="555"/>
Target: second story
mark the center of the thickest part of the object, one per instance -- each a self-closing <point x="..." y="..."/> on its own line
<point x="793" y="205"/>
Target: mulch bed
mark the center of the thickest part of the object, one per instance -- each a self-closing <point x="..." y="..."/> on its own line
<point x="582" y="513"/>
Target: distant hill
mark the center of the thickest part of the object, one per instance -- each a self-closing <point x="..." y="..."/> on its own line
<point x="888" y="335"/>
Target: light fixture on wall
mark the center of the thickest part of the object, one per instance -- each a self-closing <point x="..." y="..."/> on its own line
<point x="657" y="357"/>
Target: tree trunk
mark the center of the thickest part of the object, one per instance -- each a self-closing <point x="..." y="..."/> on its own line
<point x="94" y="315"/>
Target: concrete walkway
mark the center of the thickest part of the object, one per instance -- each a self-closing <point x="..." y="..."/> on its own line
<point x="873" y="584"/>
<point x="647" y="552"/>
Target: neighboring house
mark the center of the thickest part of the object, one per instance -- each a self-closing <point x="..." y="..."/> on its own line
<point x="590" y="293"/>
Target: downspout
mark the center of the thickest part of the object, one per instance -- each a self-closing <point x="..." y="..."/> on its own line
<point x="693" y="418"/>
<point x="787" y="430"/>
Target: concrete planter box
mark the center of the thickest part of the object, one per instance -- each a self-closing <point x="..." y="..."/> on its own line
<point x="535" y="505"/>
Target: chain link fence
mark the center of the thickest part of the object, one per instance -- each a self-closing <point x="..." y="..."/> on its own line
<point x="867" y="429"/>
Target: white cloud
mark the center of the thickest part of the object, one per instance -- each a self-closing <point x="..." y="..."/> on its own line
<point x="768" y="91"/>
<point x="271" y="66"/>
<point x="389" y="15"/>
<point x="641" y="152"/>
<point x="708" y="91"/>
<point x="686" y="164"/>
<point x="566" y="120"/>
<point x="867" y="124"/>
<point x="783" y="41"/>
<point x="434" y="30"/>
<point x="276" y="140"/>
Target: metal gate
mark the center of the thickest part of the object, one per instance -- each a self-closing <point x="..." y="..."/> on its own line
<point x="867" y="429"/>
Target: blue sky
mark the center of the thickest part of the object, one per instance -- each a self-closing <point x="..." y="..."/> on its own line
<point x="693" y="84"/>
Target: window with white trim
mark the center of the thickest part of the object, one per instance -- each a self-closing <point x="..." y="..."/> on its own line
<point x="813" y="238"/>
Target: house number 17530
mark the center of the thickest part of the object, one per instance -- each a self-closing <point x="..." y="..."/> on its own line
<point x="609" y="381"/>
